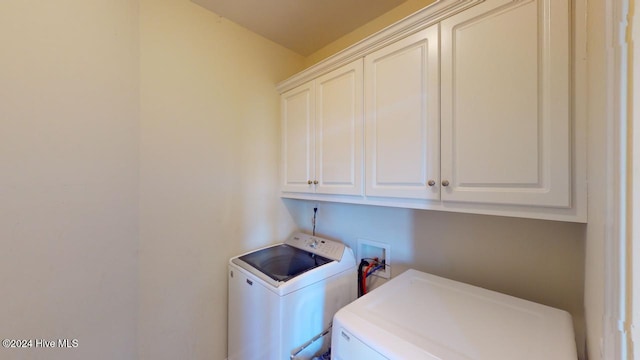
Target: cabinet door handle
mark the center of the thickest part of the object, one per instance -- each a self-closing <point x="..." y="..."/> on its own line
<point x="431" y="182"/>
<point x="315" y="182"/>
<point x="309" y="182"/>
<point x="445" y="182"/>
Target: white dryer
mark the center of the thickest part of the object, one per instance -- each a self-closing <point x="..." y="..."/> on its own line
<point x="422" y="316"/>
<point x="282" y="298"/>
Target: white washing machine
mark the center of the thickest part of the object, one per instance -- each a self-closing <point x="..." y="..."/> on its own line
<point x="422" y="316"/>
<point x="282" y="298"/>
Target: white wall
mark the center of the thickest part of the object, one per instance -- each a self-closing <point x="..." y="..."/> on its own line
<point x="209" y="153"/>
<point x="69" y="176"/>
<point x="541" y="261"/>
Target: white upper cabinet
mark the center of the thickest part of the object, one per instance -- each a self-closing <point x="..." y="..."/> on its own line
<point x="506" y="122"/>
<point x="322" y="134"/>
<point x="474" y="106"/>
<point x="339" y="131"/>
<point x="402" y="118"/>
<point x="298" y="146"/>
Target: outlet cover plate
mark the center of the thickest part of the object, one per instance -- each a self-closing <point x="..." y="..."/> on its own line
<point x="371" y="249"/>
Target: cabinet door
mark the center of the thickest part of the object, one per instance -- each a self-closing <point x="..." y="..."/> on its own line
<point x="339" y="131"/>
<point x="298" y="106"/>
<point x="505" y="104"/>
<point x="402" y="118"/>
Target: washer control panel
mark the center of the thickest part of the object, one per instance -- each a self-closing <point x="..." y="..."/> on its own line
<point x="328" y="248"/>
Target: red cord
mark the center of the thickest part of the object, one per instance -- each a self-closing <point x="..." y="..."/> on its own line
<point x="364" y="275"/>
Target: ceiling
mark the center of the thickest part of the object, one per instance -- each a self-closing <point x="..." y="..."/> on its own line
<point x="303" y="26"/>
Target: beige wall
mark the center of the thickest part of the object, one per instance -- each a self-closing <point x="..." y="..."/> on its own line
<point x="209" y="151"/>
<point x="121" y="124"/>
<point x="599" y="152"/>
<point x="69" y="176"/>
<point x="399" y="12"/>
<point x="633" y="283"/>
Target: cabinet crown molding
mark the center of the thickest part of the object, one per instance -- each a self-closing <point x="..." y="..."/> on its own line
<point x="413" y="23"/>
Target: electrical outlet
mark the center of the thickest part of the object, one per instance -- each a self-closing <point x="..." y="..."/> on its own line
<point x="368" y="249"/>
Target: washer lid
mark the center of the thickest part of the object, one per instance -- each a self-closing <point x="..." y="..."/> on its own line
<point x="282" y="262"/>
